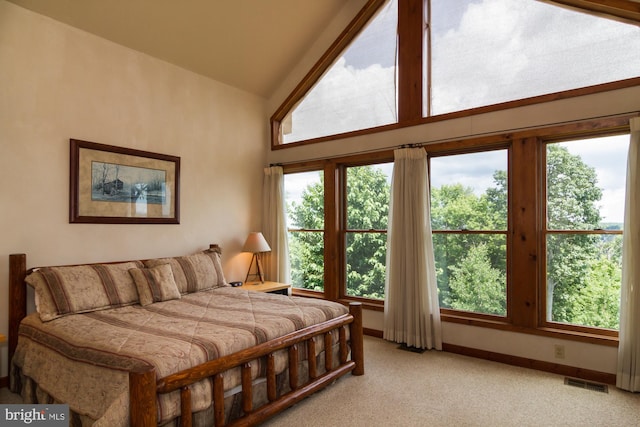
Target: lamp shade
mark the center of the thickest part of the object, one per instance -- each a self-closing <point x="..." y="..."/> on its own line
<point x="256" y="243"/>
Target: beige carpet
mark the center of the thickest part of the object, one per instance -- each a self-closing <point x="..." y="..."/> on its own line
<point x="401" y="388"/>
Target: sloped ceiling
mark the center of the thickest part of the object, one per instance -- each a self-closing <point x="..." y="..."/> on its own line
<point x="248" y="44"/>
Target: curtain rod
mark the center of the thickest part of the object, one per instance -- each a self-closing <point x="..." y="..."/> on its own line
<point x="467" y="136"/>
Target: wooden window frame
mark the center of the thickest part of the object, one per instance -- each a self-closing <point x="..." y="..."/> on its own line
<point x="342" y="167"/>
<point x="314" y="166"/>
<point x="411" y="34"/>
<point x="525" y="274"/>
<point x="317" y="71"/>
<point x="545" y="232"/>
<point x="335" y="222"/>
<point x="500" y="144"/>
<point x="526" y="284"/>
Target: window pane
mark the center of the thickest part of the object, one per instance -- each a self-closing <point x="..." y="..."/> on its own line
<point x="304" y="198"/>
<point x="368" y="189"/>
<point x="306" y="252"/>
<point x="491" y="51"/>
<point x="471" y="272"/>
<point x="469" y="191"/>
<point x="357" y="92"/>
<point x="586" y="183"/>
<point x="585" y="191"/>
<point x="583" y="279"/>
<point x="366" y="264"/>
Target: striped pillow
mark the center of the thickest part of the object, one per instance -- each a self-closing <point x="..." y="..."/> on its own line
<point x="194" y="273"/>
<point x="155" y="284"/>
<point x="79" y="289"/>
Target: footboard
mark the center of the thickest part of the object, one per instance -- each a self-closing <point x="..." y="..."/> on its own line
<point x="144" y="388"/>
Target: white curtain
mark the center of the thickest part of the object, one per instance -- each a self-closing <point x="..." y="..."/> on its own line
<point x="411" y="310"/>
<point x="628" y="375"/>
<point x="274" y="226"/>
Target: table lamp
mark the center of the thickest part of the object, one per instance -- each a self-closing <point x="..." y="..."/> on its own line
<point x="256" y="244"/>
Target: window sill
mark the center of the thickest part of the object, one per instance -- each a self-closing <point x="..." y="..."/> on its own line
<point x="564" y="334"/>
<point x="504" y="325"/>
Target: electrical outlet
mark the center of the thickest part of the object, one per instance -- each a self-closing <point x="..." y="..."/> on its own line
<point x="558" y="351"/>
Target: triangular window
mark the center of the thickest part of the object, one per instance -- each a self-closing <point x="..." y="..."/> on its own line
<point x="475" y="53"/>
<point x="358" y="91"/>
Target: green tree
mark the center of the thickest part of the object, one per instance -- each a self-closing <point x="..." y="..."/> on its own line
<point x="476" y="285"/>
<point x="572" y="197"/>
<point x="598" y="304"/>
<point x="307" y="248"/>
<point x="455" y="207"/>
<point x="367" y="209"/>
<point x="583" y="271"/>
<point x="497" y="201"/>
<point x="572" y="191"/>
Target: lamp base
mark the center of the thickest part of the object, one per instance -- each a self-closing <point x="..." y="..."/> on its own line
<point x="259" y="274"/>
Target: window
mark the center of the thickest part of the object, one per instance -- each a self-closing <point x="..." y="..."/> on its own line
<point x="585" y="189"/>
<point x="304" y="199"/>
<point x="527" y="228"/>
<point x="357" y="92"/>
<point x="456" y="56"/>
<point x="469" y="225"/>
<point x="492" y="51"/>
<point x="367" y="212"/>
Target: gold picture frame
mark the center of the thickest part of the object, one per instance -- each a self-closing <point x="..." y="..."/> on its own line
<point x="117" y="185"/>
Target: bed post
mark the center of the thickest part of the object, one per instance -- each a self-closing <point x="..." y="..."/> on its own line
<point x="17" y="298"/>
<point x="142" y="397"/>
<point x="357" y="337"/>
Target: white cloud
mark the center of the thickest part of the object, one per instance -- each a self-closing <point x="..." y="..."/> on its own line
<point x="473" y="170"/>
<point x="487" y="52"/>
<point x="344" y="96"/>
<point x="607" y="155"/>
<point x="509" y="49"/>
<point x="296" y="183"/>
<point x="612" y="205"/>
<point x="484" y="53"/>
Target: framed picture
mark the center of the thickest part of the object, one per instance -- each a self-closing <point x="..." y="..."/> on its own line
<point x="116" y="185"/>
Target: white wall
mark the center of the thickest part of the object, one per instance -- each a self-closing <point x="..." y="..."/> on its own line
<point x="582" y="355"/>
<point x="586" y="356"/>
<point x="57" y="83"/>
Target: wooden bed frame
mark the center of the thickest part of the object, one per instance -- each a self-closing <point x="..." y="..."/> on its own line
<point x="144" y="388"/>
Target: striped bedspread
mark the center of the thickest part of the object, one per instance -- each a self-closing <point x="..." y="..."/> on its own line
<point x="83" y="359"/>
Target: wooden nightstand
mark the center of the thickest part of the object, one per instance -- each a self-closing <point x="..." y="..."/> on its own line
<point x="269" y="287"/>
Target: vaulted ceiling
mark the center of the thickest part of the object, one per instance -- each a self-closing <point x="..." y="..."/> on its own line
<point x="248" y="44"/>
